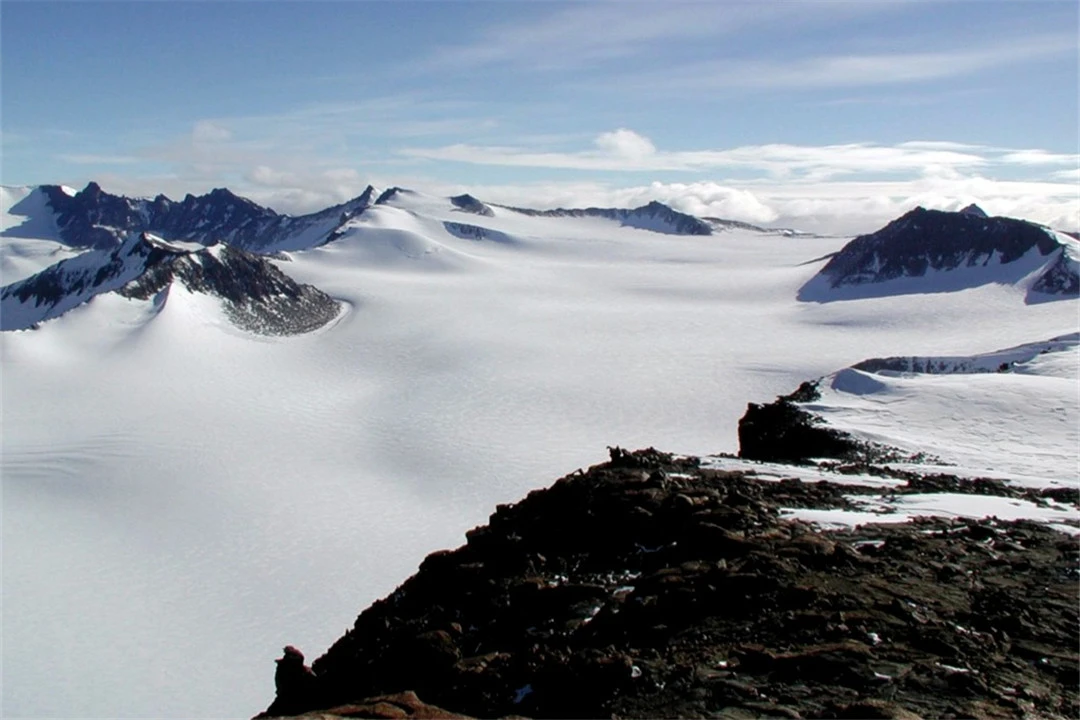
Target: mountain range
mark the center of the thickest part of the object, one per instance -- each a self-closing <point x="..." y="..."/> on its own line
<point x="126" y="238"/>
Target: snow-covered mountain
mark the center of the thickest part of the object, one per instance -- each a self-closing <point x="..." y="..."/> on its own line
<point x="937" y="251"/>
<point x="655" y="216"/>
<point x="93" y="218"/>
<point x="255" y="295"/>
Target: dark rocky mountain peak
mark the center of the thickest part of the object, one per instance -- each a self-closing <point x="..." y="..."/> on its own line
<point x="389" y="194"/>
<point x="974" y="210"/>
<point x="663" y="218"/>
<point x="92" y="191"/>
<point x="365" y="198"/>
<point x="467" y="203"/>
<point x="924" y="243"/>
<point x="93" y="218"/>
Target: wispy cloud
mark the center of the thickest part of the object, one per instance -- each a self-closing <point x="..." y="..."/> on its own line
<point x="845" y="69"/>
<point x="624" y="150"/>
<point x="589" y="33"/>
<point x="1070" y="174"/>
<point x="627" y="151"/>
<point x="90" y="159"/>
<point x="584" y="35"/>
<point x="1041" y="157"/>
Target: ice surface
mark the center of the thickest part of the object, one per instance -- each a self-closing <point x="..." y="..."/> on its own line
<point x="181" y="499"/>
<point x="1023" y="422"/>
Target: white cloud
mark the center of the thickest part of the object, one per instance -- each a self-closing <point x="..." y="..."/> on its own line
<point x="627" y="151"/>
<point x="623" y="143"/>
<point x="268" y="176"/>
<point x="1041" y="157"/>
<point x="941" y="145"/>
<point x="209" y="132"/>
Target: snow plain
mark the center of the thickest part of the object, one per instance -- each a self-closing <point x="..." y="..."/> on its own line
<point x="181" y="499"/>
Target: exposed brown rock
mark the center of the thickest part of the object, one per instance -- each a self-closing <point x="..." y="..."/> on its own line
<point x="649" y="587"/>
<point x="386" y="707"/>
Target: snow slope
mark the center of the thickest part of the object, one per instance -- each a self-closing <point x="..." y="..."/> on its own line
<point x="29" y="237"/>
<point x="1012" y="412"/>
<point x="182" y="499"/>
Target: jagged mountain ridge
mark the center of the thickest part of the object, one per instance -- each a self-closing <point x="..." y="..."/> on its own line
<point x="93" y="218"/>
<point x="909" y="248"/>
<point x="255" y="295"/>
<point x="114" y="230"/>
<point x="923" y="241"/>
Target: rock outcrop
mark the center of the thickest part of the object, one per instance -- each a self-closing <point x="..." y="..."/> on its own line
<point x="781" y="431"/>
<point x="467" y="203"/>
<point x="650" y="586"/>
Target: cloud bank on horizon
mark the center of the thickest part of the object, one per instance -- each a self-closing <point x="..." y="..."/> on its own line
<point x="825" y="116"/>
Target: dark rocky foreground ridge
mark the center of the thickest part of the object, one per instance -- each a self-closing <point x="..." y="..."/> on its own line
<point x="651" y="586"/>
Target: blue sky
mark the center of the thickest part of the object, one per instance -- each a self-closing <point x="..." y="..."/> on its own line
<point x="825" y="115"/>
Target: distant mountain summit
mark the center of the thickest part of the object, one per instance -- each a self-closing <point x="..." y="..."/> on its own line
<point x="934" y="250"/>
<point x="93" y="218"/>
<point x="255" y="295"/>
<point x="656" y="216"/>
